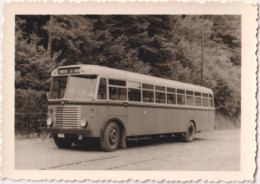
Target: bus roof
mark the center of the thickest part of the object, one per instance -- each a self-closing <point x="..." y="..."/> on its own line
<point x="131" y="76"/>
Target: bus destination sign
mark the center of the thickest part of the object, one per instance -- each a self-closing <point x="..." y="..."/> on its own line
<point x="69" y="70"/>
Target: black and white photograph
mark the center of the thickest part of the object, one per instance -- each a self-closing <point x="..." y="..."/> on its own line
<point x="127" y="92"/>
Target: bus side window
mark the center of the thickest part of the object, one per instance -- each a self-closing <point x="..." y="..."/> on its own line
<point x="180" y="97"/>
<point x="134" y="95"/>
<point x="117" y="93"/>
<point x="134" y="91"/>
<point x="102" y="90"/>
<point x="197" y="99"/>
<point x="121" y="93"/>
<point x="189" y="98"/>
<point x="113" y="93"/>
<point x="160" y="97"/>
<point x="159" y="94"/>
<point x="211" y="103"/>
<point x="205" y="100"/>
<point x="171" y="96"/>
<point x="148" y="96"/>
<point x="211" y="100"/>
<point x="117" y="82"/>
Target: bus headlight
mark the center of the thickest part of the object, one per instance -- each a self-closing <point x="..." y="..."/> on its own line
<point x="83" y="123"/>
<point x="49" y="121"/>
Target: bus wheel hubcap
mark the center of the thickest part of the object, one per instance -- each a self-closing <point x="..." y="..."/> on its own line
<point x="190" y="131"/>
<point x="113" y="136"/>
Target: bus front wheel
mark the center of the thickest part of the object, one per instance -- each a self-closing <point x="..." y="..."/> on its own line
<point x="111" y="137"/>
<point x="62" y="142"/>
<point x="189" y="134"/>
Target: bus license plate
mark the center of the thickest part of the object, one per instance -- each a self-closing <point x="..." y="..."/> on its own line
<point x="61" y="136"/>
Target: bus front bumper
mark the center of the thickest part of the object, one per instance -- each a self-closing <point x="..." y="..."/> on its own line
<point x="65" y="131"/>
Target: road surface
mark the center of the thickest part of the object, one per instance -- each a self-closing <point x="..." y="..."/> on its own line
<point x="210" y="151"/>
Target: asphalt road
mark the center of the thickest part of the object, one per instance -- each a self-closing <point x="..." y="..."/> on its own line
<point x="210" y="151"/>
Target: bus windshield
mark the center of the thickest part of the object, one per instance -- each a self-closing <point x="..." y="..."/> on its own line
<point x="78" y="87"/>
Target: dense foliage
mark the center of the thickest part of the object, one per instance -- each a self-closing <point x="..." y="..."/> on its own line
<point x="158" y="45"/>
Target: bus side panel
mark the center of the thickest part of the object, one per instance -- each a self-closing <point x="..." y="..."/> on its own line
<point x="118" y="111"/>
<point x="161" y="121"/>
<point x="100" y="114"/>
<point x="180" y="120"/>
<point x="150" y="120"/>
<point x="103" y="113"/>
<point x="209" y="125"/>
<point x="153" y="120"/>
<point x="136" y="122"/>
<point x="204" y="119"/>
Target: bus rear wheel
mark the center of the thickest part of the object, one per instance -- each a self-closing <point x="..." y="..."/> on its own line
<point x="189" y="134"/>
<point x="62" y="142"/>
<point x="111" y="137"/>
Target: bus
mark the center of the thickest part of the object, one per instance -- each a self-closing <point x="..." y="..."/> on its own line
<point x="112" y="105"/>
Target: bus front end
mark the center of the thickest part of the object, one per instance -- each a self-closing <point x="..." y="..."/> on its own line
<point x="70" y="117"/>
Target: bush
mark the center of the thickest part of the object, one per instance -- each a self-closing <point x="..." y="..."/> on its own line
<point x="223" y="121"/>
<point x="30" y="111"/>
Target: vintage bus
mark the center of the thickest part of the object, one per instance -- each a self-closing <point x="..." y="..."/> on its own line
<point x="89" y="101"/>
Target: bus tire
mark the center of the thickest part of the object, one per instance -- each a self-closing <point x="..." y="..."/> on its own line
<point x="189" y="134"/>
<point x="62" y="142"/>
<point x="111" y="137"/>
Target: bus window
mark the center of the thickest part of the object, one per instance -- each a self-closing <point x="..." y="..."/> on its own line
<point x="102" y="90"/>
<point x="205" y="102"/>
<point x="131" y="84"/>
<point x="117" y="93"/>
<point x="121" y="93"/>
<point x="190" y="100"/>
<point x="117" y="82"/>
<point x="159" y="88"/>
<point x="171" y="98"/>
<point x="197" y="94"/>
<point x="113" y="93"/>
<point x="198" y="101"/>
<point x="134" y="95"/>
<point x="148" y="96"/>
<point x="58" y="87"/>
<point x="180" y="91"/>
<point x="160" y="97"/>
<point x="180" y="99"/>
<point x="205" y="95"/>
<point x="171" y="90"/>
<point x="211" y="103"/>
<point x="147" y="86"/>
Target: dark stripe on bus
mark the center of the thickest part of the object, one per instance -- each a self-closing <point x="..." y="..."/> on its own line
<point x="133" y="105"/>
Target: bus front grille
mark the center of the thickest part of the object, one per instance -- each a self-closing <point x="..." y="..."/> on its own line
<point x="67" y="117"/>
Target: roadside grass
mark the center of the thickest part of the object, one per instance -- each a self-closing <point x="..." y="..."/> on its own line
<point x="226" y="122"/>
<point x="32" y="135"/>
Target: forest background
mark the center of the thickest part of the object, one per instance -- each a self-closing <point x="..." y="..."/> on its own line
<point x="167" y="46"/>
